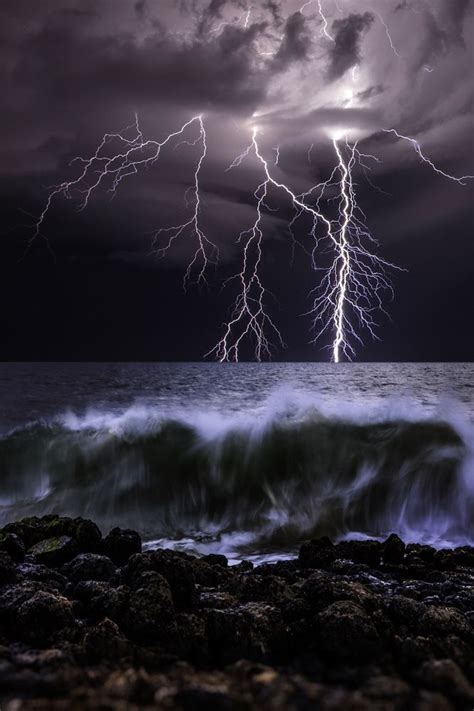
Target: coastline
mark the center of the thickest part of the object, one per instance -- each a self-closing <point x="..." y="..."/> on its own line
<point x="88" y="621"/>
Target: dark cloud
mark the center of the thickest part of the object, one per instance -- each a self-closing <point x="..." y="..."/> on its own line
<point x="370" y="92"/>
<point x="296" y="42"/>
<point x="345" y="52"/>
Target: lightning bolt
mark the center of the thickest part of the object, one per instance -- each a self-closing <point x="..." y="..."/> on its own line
<point x="427" y="160"/>
<point x="120" y="155"/>
<point x="350" y="289"/>
<point x="387" y="32"/>
<point x="325" y="24"/>
<point x="351" y="284"/>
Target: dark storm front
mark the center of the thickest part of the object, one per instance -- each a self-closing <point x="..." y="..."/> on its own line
<point x="244" y="459"/>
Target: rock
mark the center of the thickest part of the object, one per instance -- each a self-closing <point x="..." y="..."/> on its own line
<point x="230" y="636"/>
<point x="444" y="675"/>
<point x="101" y="600"/>
<point x="7" y="569"/>
<point x="87" y="535"/>
<point x="149" y="615"/>
<point x="13" y="545"/>
<point x="419" y="551"/>
<point x="254" y="588"/>
<point x="346" y="632"/>
<point x="50" y="578"/>
<point x="442" y="621"/>
<point x="104" y="642"/>
<point x="317" y="553"/>
<point x="321" y="590"/>
<point x="54" y="551"/>
<point x="43" y="615"/>
<point x="29" y="530"/>
<point x="393" y="550"/>
<point x="89" y="566"/>
<point x="175" y="568"/>
<point x="120" y="544"/>
<point x="365" y="552"/>
<point x="215" y="559"/>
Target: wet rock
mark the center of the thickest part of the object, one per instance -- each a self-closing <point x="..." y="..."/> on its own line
<point x="89" y="566"/>
<point x="101" y="600"/>
<point x="105" y="642"/>
<point x="50" y="578"/>
<point x="13" y="545"/>
<point x="7" y="569"/>
<point x="321" y="590"/>
<point x="87" y="535"/>
<point x="444" y="675"/>
<point x="132" y="685"/>
<point x="444" y="621"/>
<point x="365" y="552"/>
<point x="54" y="551"/>
<point x="229" y="634"/>
<point x="346" y="631"/>
<point x="420" y="552"/>
<point x="393" y="550"/>
<point x="175" y="568"/>
<point x="317" y="553"/>
<point x="44" y="614"/>
<point x="215" y="559"/>
<point x="120" y="544"/>
<point x="149" y="615"/>
<point x="254" y="588"/>
<point x="404" y="611"/>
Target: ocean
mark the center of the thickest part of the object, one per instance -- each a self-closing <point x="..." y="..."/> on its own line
<point x="243" y="459"/>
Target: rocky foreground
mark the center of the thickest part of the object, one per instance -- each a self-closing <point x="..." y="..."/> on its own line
<point x="88" y="622"/>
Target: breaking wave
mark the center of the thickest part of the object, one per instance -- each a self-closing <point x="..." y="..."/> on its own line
<point x="264" y="480"/>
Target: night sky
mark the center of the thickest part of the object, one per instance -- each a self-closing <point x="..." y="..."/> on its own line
<point x="73" y="70"/>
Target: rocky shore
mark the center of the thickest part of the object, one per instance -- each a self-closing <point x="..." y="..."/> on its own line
<point x="92" y="622"/>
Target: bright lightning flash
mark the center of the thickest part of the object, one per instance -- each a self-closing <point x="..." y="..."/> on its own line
<point x="120" y="155"/>
<point x="349" y="291"/>
<point x="351" y="288"/>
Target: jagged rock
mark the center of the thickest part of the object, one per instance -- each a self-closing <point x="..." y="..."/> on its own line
<point x="13" y="545"/>
<point x="54" y="551"/>
<point x="101" y="600"/>
<point x="149" y="615"/>
<point x="89" y="566"/>
<point x="393" y="550"/>
<point x="105" y="642"/>
<point x="365" y="552"/>
<point x="120" y="544"/>
<point x="7" y="569"/>
<point x="346" y="632"/>
<point x="44" y="614"/>
<point x="175" y="568"/>
<point x="215" y="559"/>
<point x="317" y="553"/>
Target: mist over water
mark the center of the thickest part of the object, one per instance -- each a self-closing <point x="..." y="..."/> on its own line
<point x="243" y="459"/>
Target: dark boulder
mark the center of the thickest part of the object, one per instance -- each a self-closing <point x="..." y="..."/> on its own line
<point x="149" y="615"/>
<point x="346" y="632"/>
<point x="7" y="569"/>
<point x="54" y="552"/>
<point x="215" y="559"/>
<point x="89" y="566"/>
<point x="13" y="545"/>
<point x="393" y="550"/>
<point x="100" y="600"/>
<point x="87" y="535"/>
<point x="365" y="552"/>
<point x="42" y="615"/>
<point x="120" y="544"/>
<point x="175" y="568"/>
<point x="318" y="553"/>
<point x="105" y="642"/>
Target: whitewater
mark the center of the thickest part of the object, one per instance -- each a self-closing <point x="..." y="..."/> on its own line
<point x="246" y="460"/>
